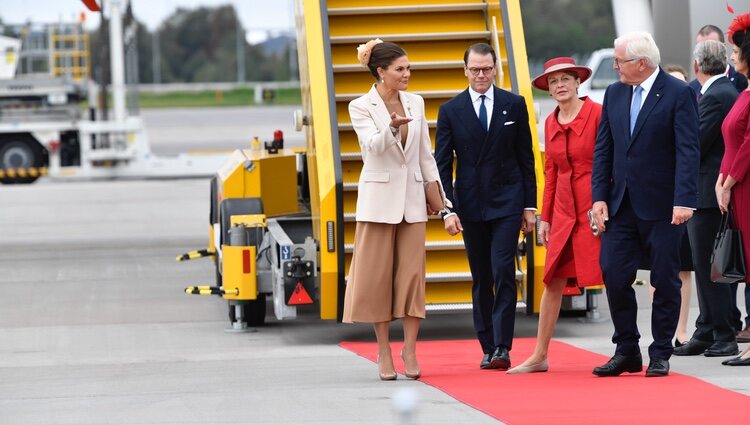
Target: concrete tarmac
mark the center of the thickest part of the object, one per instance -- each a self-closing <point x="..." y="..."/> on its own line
<point x="175" y="130"/>
<point x="95" y="327"/>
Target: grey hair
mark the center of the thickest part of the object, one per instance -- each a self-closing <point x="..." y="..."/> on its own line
<point x="640" y="44"/>
<point x="711" y="57"/>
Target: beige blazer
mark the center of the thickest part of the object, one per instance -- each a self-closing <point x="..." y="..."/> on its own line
<point x="391" y="185"/>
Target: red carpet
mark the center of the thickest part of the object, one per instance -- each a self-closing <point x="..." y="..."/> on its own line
<point x="568" y="393"/>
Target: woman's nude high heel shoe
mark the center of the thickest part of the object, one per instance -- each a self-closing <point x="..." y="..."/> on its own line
<point x="386" y="376"/>
<point x="542" y="366"/>
<point x="410" y="373"/>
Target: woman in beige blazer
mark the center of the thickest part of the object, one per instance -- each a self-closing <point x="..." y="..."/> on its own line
<point x="387" y="275"/>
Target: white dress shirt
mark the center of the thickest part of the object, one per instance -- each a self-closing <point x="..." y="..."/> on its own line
<point x="489" y="101"/>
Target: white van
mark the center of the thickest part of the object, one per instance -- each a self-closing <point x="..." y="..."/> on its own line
<point x="601" y="63"/>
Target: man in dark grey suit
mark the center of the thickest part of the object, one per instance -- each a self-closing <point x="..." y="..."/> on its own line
<point x="739" y="81"/>
<point x="714" y="335"/>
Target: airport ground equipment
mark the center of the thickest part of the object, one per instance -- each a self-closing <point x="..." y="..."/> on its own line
<point x="302" y="259"/>
<point x="44" y="130"/>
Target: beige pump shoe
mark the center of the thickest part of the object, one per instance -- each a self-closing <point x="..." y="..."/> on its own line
<point x="386" y="376"/>
<point x="542" y="366"/>
<point x="411" y="374"/>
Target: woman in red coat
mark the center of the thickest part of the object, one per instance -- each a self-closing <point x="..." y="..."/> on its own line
<point x="572" y="249"/>
<point x="733" y="184"/>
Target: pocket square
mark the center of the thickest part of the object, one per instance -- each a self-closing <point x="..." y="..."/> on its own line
<point x="509" y="122"/>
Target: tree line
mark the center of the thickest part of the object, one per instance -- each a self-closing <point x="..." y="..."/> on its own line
<point x="566" y="27"/>
<point x="194" y="45"/>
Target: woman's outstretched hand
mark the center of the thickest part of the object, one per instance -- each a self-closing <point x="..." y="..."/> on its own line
<point x="397" y="120"/>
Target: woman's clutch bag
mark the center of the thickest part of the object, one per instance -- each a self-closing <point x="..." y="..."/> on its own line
<point x="433" y="196"/>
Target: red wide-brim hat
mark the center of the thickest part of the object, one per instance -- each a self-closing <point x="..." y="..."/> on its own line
<point x="560" y="64"/>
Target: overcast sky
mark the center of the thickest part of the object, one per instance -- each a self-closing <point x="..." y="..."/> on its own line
<point x="257" y="16"/>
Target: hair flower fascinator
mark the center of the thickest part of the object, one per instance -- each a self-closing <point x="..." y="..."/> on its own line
<point x="364" y="51"/>
<point x="739" y="23"/>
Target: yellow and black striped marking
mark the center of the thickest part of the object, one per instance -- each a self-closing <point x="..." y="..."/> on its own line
<point x="210" y="290"/>
<point x="192" y="255"/>
<point x="12" y="173"/>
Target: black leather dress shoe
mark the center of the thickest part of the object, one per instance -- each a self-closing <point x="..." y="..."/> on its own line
<point x="620" y="364"/>
<point x="693" y="347"/>
<point x="738" y="361"/>
<point x="485" y="363"/>
<point x="722" y="349"/>
<point x="657" y="367"/>
<point x="500" y="359"/>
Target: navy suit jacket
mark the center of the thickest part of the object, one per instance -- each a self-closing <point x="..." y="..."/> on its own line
<point x="712" y="109"/>
<point x="738" y="80"/>
<point x="658" y="165"/>
<point x="494" y="169"/>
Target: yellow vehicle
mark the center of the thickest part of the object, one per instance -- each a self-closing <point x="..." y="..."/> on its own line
<point x="324" y="177"/>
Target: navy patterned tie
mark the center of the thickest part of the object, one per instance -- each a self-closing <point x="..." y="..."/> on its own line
<point x="483" y="113"/>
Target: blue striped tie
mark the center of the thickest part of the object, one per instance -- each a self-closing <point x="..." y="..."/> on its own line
<point x="635" y="107"/>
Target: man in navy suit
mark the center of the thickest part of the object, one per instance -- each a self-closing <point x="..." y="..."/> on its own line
<point x="644" y="190"/>
<point x="739" y="81"/>
<point x="494" y="193"/>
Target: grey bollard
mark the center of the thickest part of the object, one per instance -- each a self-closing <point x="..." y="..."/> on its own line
<point x="239" y="236"/>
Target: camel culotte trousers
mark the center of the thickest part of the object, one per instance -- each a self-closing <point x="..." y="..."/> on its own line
<point x="387" y="273"/>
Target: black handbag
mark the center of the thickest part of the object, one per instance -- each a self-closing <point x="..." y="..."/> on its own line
<point x="728" y="257"/>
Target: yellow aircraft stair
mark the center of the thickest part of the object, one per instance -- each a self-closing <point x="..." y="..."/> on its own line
<point x="435" y="35"/>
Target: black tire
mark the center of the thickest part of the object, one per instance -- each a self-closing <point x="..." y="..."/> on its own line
<point x="219" y="279"/>
<point x="213" y="217"/>
<point x="21" y="151"/>
<point x="213" y="213"/>
<point x="253" y="311"/>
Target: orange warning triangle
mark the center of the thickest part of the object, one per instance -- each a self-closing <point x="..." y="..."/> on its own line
<point x="299" y="296"/>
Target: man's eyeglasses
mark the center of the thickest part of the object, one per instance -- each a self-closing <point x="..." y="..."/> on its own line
<point x="619" y="62"/>
<point x="486" y="71"/>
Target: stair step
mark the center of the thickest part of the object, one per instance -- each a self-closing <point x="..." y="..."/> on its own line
<point x="462" y="307"/>
<point x="429" y="245"/>
<point x="355" y="67"/>
<point x="448" y="277"/>
<point x="426" y="94"/>
<point x="461" y="7"/>
<point x="352" y="217"/>
<point x="348" y="125"/>
<point x="427" y="36"/>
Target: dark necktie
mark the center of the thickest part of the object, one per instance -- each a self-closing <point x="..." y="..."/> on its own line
<point x="483" y="113"/>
